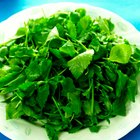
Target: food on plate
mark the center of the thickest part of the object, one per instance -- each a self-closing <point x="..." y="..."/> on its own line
<point x="67" y="72"/>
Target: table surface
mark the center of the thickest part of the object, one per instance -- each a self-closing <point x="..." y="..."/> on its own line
<point x="127" y="9"/>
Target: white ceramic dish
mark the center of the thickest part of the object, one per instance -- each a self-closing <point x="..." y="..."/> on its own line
<point x="119" y="126"/>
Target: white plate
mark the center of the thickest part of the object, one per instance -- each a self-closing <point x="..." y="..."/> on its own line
<point x="119" y="126"/>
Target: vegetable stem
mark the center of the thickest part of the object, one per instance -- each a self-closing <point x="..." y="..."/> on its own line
<point x="83" y="46"/>
<point x="57" y="106"/>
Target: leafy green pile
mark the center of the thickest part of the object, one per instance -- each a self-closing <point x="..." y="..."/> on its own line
<point x="67" y="72"/>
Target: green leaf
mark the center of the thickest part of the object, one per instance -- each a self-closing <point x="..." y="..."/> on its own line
<point x="110" y="25"/>
<point x="103" y="24"/>
<point x="74" y="102"/>
<point x="52" y="133"/>
<point x="7" y="78"/>
<point x="31" y="102"/>
<point x="111" y="74"/>
<point x="55" y="43"/>
<point x="33" y="70"/>
<point x="68" y="111"/>
<point x="53" y="34"/>
<point x="61" y="30"/>
<point x="75" y="17"/>
<point x="78" y="64"/>
<point x="45" y="68"/>
<point x="97" y="108"/>
<point x="4" y="69"/>
<point x="87" y="108"/>
<point x="70" y="91"/>
<point x="98" y="72"/>
<point x="120" y="83"/>
<point x="54" y="81"/>
<point x="28" y="111"/>
<point x="95" y="128"/>
<point x="27" y="88"/>
<point x="81" y="11"/>
<point x="95" y="43"/>
<point x="106" y="100"/>
<point x="131" y="89"/>
<point x="19" y="94"/>
<point x="13" y="49"/>
<point x="42" y="95"/>
<point x="120" y="53"/>
<point x="71" y="28"/>
<point x="83" y="24"/>
<point x="24" y="52"/>
<point x="136" y="53"/>
<point x="100" y="50"/>
<point x="75" y="129"/>
<point x="56" y="53"/>
<point x="3" y="51"/>
<point x="21" y="31"/>
<point x="87" y="93"/>
<point x="13" y="85"/>
<point x="68" y="87"/>
<point x="68" y="49"/>
<point x="14" y="110"/>
<point x="119" y="106"/>
<point x="43" y="52"/>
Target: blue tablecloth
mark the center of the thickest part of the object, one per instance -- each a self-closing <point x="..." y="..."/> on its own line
<point x="128" y="9"/>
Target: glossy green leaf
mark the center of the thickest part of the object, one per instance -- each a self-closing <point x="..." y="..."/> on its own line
<point x="78" y="64"/>
<point x="68" y="49"/>
<point x="120" y="53"/>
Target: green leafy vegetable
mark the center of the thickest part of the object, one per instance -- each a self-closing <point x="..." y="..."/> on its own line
<point x="42" y="96"/>
<point x="71" y="29"/>
<point x="78" y="64"/>
<point x="121" y="53"/>
<point x="67" y="72"/>
<point x="120" y="83"/>
<point x="68" y="49"/>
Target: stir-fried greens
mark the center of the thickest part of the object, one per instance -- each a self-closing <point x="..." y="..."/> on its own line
<point x="67" y="72"/>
